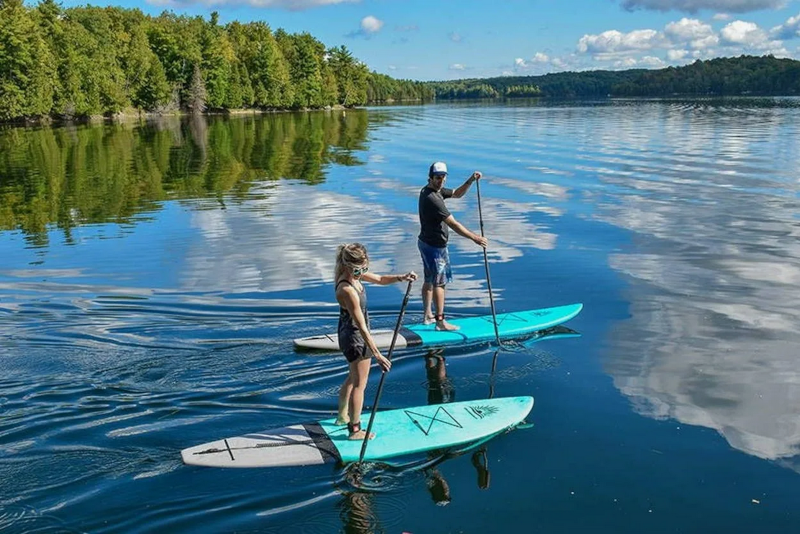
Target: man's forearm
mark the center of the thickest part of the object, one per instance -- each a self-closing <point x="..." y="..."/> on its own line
<point x="463" y="188"/>
<point x="461" y="230"/>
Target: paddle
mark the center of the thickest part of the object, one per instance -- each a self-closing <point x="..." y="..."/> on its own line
<point x="486" y="264"/>
<point x="383" y="374"/>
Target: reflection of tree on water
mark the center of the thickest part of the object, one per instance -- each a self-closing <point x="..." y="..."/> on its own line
<point x="71" y="176"/>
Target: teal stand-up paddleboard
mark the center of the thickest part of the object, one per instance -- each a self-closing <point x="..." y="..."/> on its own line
<point x="471" y="329"/>
<point x="398" y="432"/>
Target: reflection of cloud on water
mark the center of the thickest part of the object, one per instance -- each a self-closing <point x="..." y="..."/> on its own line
<point x="745" y="387"/>
<point x="542" y="189"/>
<point x="548" y="170"/>
<point x="707" y="349"/>
<point x="714" y="282"/>
<point x="508" y="230"/>
<point x="291" y="232"/>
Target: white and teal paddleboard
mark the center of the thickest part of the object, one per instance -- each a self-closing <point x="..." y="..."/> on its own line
<point x="398" y="432"/>
<point x="472" y="329"/>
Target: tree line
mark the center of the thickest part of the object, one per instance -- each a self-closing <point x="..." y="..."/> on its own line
<point x="85" y="61"/>
<point x="742" y="75"/>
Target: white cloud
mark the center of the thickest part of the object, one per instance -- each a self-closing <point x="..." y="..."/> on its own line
<point x="741" y="32"/>
<point x="721" y="16"/>
<point x="455" y="37"/>
<point x="696" y="34"/>
<point x="613" y="42"/>
<point x="627" y="63"/>
<point x="693" y="6"/>
<point x="652" y="62"/>
<point x="750" y="35"/>
<point x="457" y="66"/>
<point x="682" y="39"/>
<point x="540" y="63"/>
<point x="370" y="24"/>
<point x="676" y="55"/>
<point x="291" y="5"/>
<point x="677" y="43"/>
<point x="788" y="30"/>
<point x="644" y="62"/>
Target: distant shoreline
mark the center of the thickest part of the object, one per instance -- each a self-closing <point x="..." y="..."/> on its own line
<point x="131" y="115"/>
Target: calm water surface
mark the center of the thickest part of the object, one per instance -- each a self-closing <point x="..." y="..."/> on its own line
<point x="153" y="276"/>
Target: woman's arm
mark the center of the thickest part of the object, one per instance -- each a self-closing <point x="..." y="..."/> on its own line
<point x="386" y="279"/>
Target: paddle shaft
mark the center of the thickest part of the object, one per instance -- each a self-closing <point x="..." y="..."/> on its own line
<point x="383" y="374"/>
<point x="486" y="264"/>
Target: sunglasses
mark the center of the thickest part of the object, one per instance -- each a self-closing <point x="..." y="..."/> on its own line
<point x="358" y="271"/>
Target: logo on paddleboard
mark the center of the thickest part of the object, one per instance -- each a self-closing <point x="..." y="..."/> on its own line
<point x="481" y="411"/>
<point x="425" y="422"/>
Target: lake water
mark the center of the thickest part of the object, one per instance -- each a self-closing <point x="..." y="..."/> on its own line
<point x="154" y="275"/>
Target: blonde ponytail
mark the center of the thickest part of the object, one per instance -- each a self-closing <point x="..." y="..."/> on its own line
<point x="349" y="255"/>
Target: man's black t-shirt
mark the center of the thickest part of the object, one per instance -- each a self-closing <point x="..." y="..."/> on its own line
<point x="432" y="213"/>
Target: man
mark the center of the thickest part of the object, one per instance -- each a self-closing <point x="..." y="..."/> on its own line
<point x="434" y="220"/>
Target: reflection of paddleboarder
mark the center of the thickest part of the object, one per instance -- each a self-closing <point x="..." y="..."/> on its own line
<point x="481" y="463"/>
<point x="440" y="388"/>
<point x="440" y="391"/>
<point x="356" y="509"/>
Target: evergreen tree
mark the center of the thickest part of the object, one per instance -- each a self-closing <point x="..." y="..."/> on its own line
<point x="218" y="56"/>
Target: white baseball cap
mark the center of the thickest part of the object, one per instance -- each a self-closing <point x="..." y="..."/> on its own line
<point x="438" y="168"/>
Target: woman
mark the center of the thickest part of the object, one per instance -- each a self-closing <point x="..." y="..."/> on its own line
<point x="355" y="341"/>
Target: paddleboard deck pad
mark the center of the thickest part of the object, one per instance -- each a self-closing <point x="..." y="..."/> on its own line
<point x="471" y="330"/>
<point x="398" y="432"/>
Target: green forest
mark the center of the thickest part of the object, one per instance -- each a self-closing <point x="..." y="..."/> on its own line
<point x="86" y="61"/>
<point x="90" y="61"/>
<point x="738" y="76"/>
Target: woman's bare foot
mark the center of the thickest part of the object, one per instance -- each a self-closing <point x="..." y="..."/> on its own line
<point x="356" y="433"/>
<point x="341" y="421"/>
<point x="360" y="435"/>
<point x="428" y="319"/>
<point x="444" y="325"/>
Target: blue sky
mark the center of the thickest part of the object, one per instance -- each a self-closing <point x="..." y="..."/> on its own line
<point x="448" y="39"/>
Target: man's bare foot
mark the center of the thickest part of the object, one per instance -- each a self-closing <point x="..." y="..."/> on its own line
<point x="444" y="325"/>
